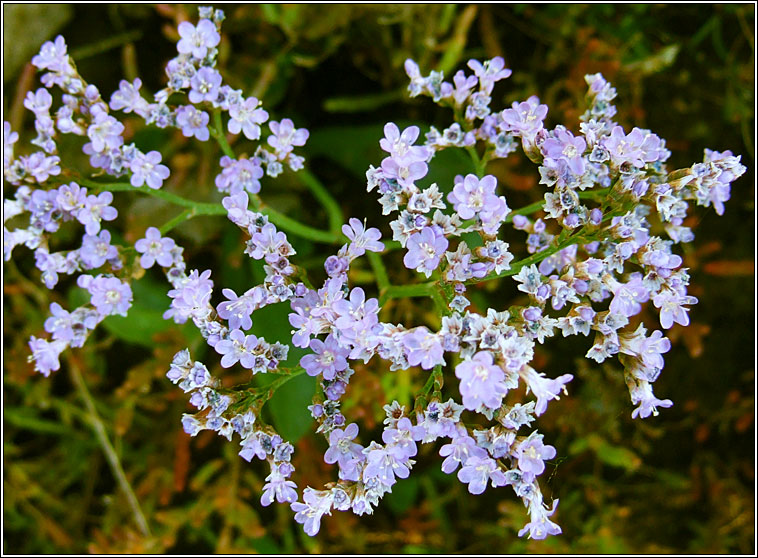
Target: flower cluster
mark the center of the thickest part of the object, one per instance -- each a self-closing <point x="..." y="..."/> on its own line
<point x="591" y="262"/>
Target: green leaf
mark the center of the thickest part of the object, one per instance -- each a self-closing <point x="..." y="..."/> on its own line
<point x="289" y="405"/>
<point x="353" y="147"/>
<point x="403" y="495"/>
<point x="615" y="456"/>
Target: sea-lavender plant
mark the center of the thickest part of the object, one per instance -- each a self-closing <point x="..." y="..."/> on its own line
<point x="594" y="260"/>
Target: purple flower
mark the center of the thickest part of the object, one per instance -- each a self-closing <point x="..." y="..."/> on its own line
<point x="462" y="90"/>
<point x="525" y="119"/>
<point x="401" y="438"/>
<point x="237" y="348"/>
<point x="400" y="146"/>
<point x="531" y="453"/>
<point x="247" y="117"/>
<point x="540" y="526"/>
<point x="492" y="71"/>
<point x="39" y="102"/>
<point x="193" y="122"/>
<point x="647" y="349"/>
<point x="356" y="312"/>
<point x="71" y="197"/>
<point x="642" y="395"/>
<point x="362" y="239"/>
<point x="328" y="358"/>
<point x="146" y="168"/>
<point x="128" y="98"/>
<point x="41" y="167"/>
<point x="671" y="304"/>
<point x="197" y="40"/>
<point x="342" y="450"/>
<point x="564" y="146"/>
<point x="482" y="382"/>
<point x="440" y="419"/>
<point x="383" y="464"/>
<point x="317" y="503"/>
<point x="405" y="174"/>
<point x="96" y="250"/>
<point x="239" y="175"/>
<point x="238" y="309"/>
<point x="52" y="56"/>
<point x="96" y="208"/>
<point x="270" y="244"/>
<point x="155" y="249"/>
<point x="285" y="136"/>
<point x="60" y="324"/>
<point x="423" y="348"/>
<point x="478" y="472"/>
<point x="472" y="195"/>
<point x="628" y="296"/>
<point x="625" y="148"/>
<point x="544" y="388"/>
<point x="191" y="298"/>
<point x="459" y="451"/>
<point x="105" y="132"/>
<point x="425" y="250"/>
<point x="278" y="487"/>
<point x="45" y="354"/>
<point x="204" y="84"/>
<point x="108" y="294"/>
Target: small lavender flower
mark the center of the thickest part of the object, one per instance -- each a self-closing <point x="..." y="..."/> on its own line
<point x="128" y="98"/>
<point x="193" y="122"/>
<point x="316" y="504"/>
<point x="205" y="84"/>
<point x="423" y="348"/>
<point x="247" y="117"/>
<point x="531" y="453"/>
<point x="108" y="294"/>
<point x="146" y="169"/>
<point x="473" y="195"/>
<point x="52" y="56"/>
<point x="544" y="388"/>
<point x="342" y="450"/>
<point x="285" y="136"/>
<point x="155" y="248"/>
<point x="278" y="487"/>
<point x="237" y="348"/>
<point x="327" y="359"/>
<point x="425" y="250"/>
<point x="458" y="451"/>
<point x="96" y="209"/>
<point x="362" y="239"/>
<point x="482" y="382"/>
<point x="45" y="354"/>
<point x="238" y="175"/>
<point x="480" y="471"/>
<point x="96" y="250"/>
<point x="105" y="132"/>
<point x="197" y="40"/>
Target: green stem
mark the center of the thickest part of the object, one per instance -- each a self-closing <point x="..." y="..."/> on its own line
<point x="325" y="198"/>
<point x="536" y="206"/>
<point x="380" y="272"/>
<point x="110" y="454"/>
<point x="217" y="131"/>
<point x="185" y="215"/>
<point x="199" y="207"/>
<point x="408" y="291"/>
<point x="285" y="223"/>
